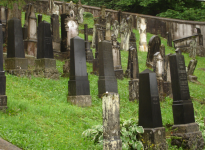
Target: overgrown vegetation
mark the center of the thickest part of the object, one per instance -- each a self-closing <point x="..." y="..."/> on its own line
<point x="39" y="117"/>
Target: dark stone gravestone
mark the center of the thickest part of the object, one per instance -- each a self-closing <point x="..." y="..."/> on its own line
<point x="3" y="97"/>
<point x="15" y="63"/>
<point x="190" y="72"/>
<point x="183" y="112"/>
<point x="169" y="39"/>
<point x="55" y="32"/>
<point x="78" y="85"/>
<point x="149" y="111"/>
<point x="89" y="53"/>
<point x="45" y="65"/>
<point x="153" y="47"/>
<point x="63" y="33"/>
<point x="107" y="81"/>
<point x="39" y="18"/>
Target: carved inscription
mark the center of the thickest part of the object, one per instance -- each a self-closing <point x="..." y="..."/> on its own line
<point x="47" y="40"/>
<point x="155" y="100"/>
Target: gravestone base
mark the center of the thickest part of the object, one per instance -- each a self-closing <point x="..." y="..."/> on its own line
<point x="193" y="78"/>
<point x="119" y="74"/>
<point x="30" y="47"/>
<point x="56" y="46"/>
<point x="16" y="63"/>
<point x="95" y="67"/>
<point x="61" y="55"/>
<point x="154" y="138"/>
<point x="134" y="89"/>
<point x="89" y="57"/>
<point x="127" y="73"/>
<point x="188" y="136"/>
<point x="66" y="69"/>
<point x="80" y="100"/>
<point x="112" y="144"/>
<point x="46" y="68"/>
<point x="3" y="102"/>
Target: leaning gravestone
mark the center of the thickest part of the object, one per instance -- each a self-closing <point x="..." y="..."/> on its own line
<point x="153" y="47"/>
<point x="45" y="65"/>
<point x="184" y="126"/>
<point x="3" y="97"/>
<point x="190" y="72"/>
<point x="111" y="121"/>
<point x="78" y="85"/>
<point x="149" y="111"/>
<point x="15" y="63"/>
<point x="107" y="81"/>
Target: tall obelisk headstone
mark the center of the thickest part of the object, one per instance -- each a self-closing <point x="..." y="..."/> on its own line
<point x="55" y="32"/>
<point x="15" y="63"/>
<point x="78" y="85"/>
<point x="45" y="65"/>
<point x="183" y="111"/>
<point x="149" y="111"/>
<point x="107" y="81"/>
<point x="3" y="97"/>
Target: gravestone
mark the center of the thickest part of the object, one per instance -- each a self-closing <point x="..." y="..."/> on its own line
<point x="80" y="12"/>
<point x="55" y="32"/>
<point x="78" y="85"/>
<point x="123" y="27"/>
<point x="117" y="58"/>
<point x="128" y="31"/>
<point x="3" y="97"/>
<point x="94" y="33"/>
<point x="39" y="18"/>
<point x="192" y="53"/>
<point x="153" y="47"/>
<point x="63" y="33"/>
<point x="142" y="26"/>
<point x="108" y="27"/>
<point x="45" y="64"/>
<point x="149" y="111"/>
<point x="15" y="63"/>
<point x="3" y="12"/>
<point x="89" y="53"/>
<point x="169" y="39"/>
<point x="111" y="121"/>
<point x="52" y="8"/>
<point x="107" y="81"/>
<point x="184" y="126"/>
<point x="31" y="37"/>
<point x="116" y="28"/>
<point x="190" y="72"/>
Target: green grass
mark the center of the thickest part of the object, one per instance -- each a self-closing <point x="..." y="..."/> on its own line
<point x="39" y="117"/>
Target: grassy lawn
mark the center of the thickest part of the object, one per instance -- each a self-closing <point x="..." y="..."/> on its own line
<point x="39" y="117"/>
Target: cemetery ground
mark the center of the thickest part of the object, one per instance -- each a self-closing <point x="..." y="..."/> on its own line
<point x="39" y="116"/>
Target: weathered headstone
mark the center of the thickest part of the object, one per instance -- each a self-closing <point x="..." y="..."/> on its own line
<point x="45" y="65"/>
<point x="78" y="85"/>
<point x="53" y="8"/>
<point x="94" y="33"/>
<point x="80" y="12"/>
<point x="55" y="32"/>
<point x="108" y="27"/>
<point x="116" y="28"/>
<point x="128" y="30"/>
<point x="149" y="111"/>
<point x="3" y="12"/>
<point x="3" y="97"/>
<point x="15" y="63"/>
<point x="117" y="58"/>
<point x="123" y="26"/>
<point x="31" y="37"/>
<point x="192" y="53"/>
<point x="89" y="53"/>
<point x="183" y="111"/>
<point x="111" y="121"/>
<point x="142" y="26"/>
<point x="169" y="39"/>
<point x="190" y="72"/>
<point x="63" y="33"/>
<point x="153" y="47"/>
<point x="14" y="13"/>
<point x="107" y="81"/>
<point x="39" y="18"/>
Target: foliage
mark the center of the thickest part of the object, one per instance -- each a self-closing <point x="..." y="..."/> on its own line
<point x="130" y="134"/>
<point x="9" y="3"/>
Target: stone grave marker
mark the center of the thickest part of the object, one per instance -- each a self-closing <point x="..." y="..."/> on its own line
<point x="117" y="58"/>
<point x="169" y="39"/>
<point x="45" y="64"/>
<point x="80" y="12"/>
<point x="78" y="85"/>
<point x="63" y="33"/>
<point x="55" y="32"/>
<point x="192" y="53"/>
<point x="116" y="28"/>
<point x="39" y="18"/>
<point x="183" y="111"/>
<point x="3" y="97"/>
<point x="107" y="81"/>
<point x="142" y="26"/>
<point x="108" y="27"/>
<point x="15" y="63"/>
<point x="153" y="47"/>
<point x="190" y="72"/>
<point x="149" y="111"/>
<point x="89" y="53"/>
<point x="94" y="33"/>
<point x="111" y="121"/>
<point x="128" y="31"/>
<point x="123" y="27"/>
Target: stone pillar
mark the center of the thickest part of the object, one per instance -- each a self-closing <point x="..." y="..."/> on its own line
<point x="149" y="111"/>
<point x="108" y="27"/>
<point x="45" y="64"/>
<point x="78" y="85"/>
<point x="39" y="18"/>
<point x="94" y="33"/>
<point x="142" y="26"/>
<point x="111" y="122"/>
<point x="3" y="12"/>
<point x="15" y="63"/>
<point x="89" y="53"/>
<point x="183" y="111"/>
<point x="117" y="58"/>
<point x="154" y="46"/>
<point x="169" y="39"/>
<point x="107" y="81"/>
<point x="55" y="32"/>
<point x="190" y="72"/>
<point x="3" y="97"/>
